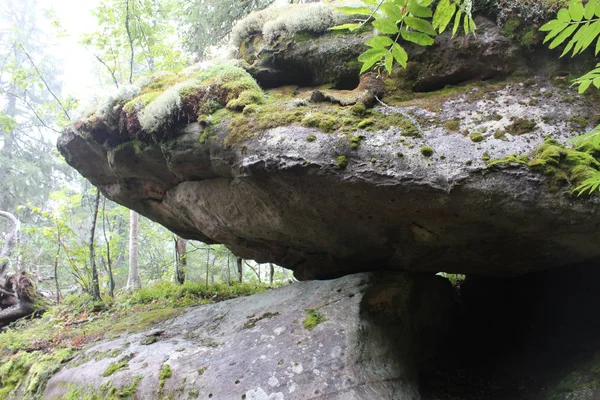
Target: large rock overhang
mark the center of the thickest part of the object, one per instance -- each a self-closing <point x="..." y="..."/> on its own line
<point x="410" y="189"/>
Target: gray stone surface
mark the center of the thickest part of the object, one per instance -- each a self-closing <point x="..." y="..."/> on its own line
<point x="378" y="329"/>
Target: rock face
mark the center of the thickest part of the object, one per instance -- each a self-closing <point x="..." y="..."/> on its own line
<point x="470" y="179"/>
<point x="373" y="334"/>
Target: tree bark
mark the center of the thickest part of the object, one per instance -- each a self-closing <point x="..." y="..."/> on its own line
<point x="133" y="281"/>
<point x="95" y="287"/>
<point x="10" y="241"/>
<point x="271" y="273"/>
<point x="181" y="260"/>
<point x="111" y="278"/>
<point x="240" y="269"/>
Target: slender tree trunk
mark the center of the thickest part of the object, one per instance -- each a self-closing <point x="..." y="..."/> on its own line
<point x="207" y="264"/>
<point x="240" y="269"/>
<point x="111" y="278"/>
<point x="181" y="260"/>
<point x="228" y="271"/>
<point x="56" y="258"/>
<point x="271" y="273"/>
<point x="10" y="241"/>
<point x="133" y="281"/>
<point x="95" y="287"/>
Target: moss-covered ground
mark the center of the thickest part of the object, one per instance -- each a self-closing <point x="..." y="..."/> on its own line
<point x="32" y="350"/>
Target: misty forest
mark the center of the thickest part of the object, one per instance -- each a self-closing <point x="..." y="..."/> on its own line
<point x="300" y="199"/>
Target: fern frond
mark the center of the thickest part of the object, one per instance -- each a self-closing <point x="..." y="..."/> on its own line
<point x="589" y="186"/>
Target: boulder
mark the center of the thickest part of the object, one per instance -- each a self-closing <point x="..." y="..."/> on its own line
<point x="359" y="337"/>
<point x="473" y="178"/>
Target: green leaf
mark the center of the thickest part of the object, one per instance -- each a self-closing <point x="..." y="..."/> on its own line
<point x="354" y="10"/>
<point x="597" y="47"/>
<point x="563" y="15"/>
<point x="576" y="10"/>
<point x="590" y="9"/>
<point x="466" y="24"/>
<point x="419" y="25"/>
<point x="550" y="25"/>
<point x="385" y="26"/>
<point x="592" y="33"/>
<point x="389" y="62"/>
<point x="377" y="53"/>
<point x="418" y="38"/>
<point x="443" y="15"/>
<point x="368" y="63"/>
<point x="555" y="31"/>
<point x="456" y="23"/>
<point x="400" y="54"/>
<point x="563" y="36"/>
<point x="379" y="41"/>
<point x="370" y="2"/>
<point x="419" y="11"/>
<point x="351" y="27"/>
<point x="584" y="86"/>
<point x="392" y="11"/>
<point x="573" y="41"/>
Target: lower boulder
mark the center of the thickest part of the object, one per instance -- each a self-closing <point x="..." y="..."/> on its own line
<point x="363" y="336"/>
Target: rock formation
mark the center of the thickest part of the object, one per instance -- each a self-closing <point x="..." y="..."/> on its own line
<point x="359" y="337"/>
<point x="472" y="178"/>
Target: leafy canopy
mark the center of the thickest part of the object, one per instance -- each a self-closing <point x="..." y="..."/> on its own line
<point x="416" y="21"/>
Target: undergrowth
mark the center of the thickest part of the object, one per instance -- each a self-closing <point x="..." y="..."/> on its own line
<point x="32" y="350"/>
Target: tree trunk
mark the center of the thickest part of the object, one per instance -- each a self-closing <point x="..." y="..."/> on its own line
<point x="207" y="264"/>
<point x="19" y="298"/>
<point x="240" y="269"/>
<point x="95" y="287"/>
<point x="133" y="281"/>
<point x="181" y="260"/>
<point x="10" y="241"/>
<point x="111" y="278"/>
<point x="271" y="273"/>
<point x="56" y="273"/>
<point x="228" y="271"/>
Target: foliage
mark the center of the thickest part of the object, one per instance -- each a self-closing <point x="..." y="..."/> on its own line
<point x="135" y="36"/>
<point x="581" y="25"/>
<point x="411" y="20"/>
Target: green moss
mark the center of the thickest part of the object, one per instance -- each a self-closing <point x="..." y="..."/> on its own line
<point x="358" y="110"/>
<point x="427" y="151"/>
<point x="193" y="394"/>
<point x="365" y="123"/>
<point x="202" y="370"/>
<point x="477" y="137"/>
<point x="579" y="122"/>
<point x="399" y="154"/>
<point x="165" y="373"/>
<point x="311" y="138"/>
<point x="143" y="320"/>
<point x="140" y="102"/>
<point x="511" y="27"/>
<point x="564" y="167"/>
<point x="29" y="372"/>
<point x="342" y="162"/>
<point x="485" y="156"/>
<point x="117" y="366"/>
<point x="355" y="141"/>
<point x="452" y="125"/>
<point x="468" y="163"/>
<point x="373" y="160"/>
<point x="500" y="134"/>
<point x="313" y="319"/>
<point x="521" y="126"/>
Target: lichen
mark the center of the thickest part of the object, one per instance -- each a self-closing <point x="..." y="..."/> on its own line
<point x="311" y="138"/>
<point x="313" y="319"/>
<point x="280" y="22"/>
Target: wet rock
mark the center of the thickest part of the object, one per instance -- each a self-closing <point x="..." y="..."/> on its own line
<point x="372" y="335"/>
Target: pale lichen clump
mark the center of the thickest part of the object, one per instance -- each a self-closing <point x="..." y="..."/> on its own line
<point x="123" y="94"/>
<point x="168" y="98"/>
<point x="285" y="21"/>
